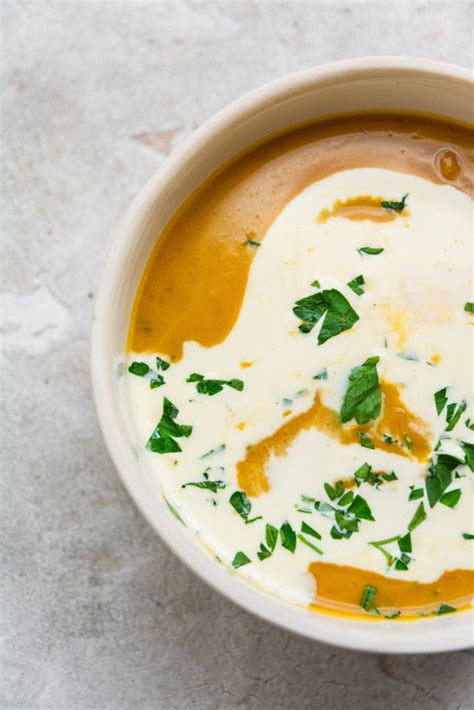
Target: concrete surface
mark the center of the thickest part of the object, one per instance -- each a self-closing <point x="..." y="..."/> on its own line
<point x="96" y="613"/>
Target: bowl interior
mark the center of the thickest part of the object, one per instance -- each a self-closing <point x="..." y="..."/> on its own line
<point x="344" y="87"/>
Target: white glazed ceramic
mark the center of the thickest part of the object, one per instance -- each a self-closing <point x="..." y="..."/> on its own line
<point x="353" y="85"/>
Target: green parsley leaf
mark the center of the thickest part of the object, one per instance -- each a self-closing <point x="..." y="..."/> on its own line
<point x="368" y="597"/>
<point x="360" y="509"/>
<point x="468" y="453"/>
<point x="397" y="206"/>
<point x="309" y="544"/>
<point x="346" y="499"/>
<point x="392" y="476"/>
<point x="365" y="440"/>
<point x="356" y="285"/>
<point x="323" y="375"/>
<point x="305" y="528"/>
<point x="418" y="518"/>
<point x="469" y="307"/>
<point x="416" y="493"/>
<point x="401" y="564"/>
<point x="440" y="399"/>
<point x="444" y="609"/>
<point x="207" y="485"/>
<point x="162" y="364"/>
<point x="380" y="546"/>
<point x="330" y="303"/>
<point x="162" y="439"/>
<point x="451" y="498"/>
<point x="405" y="543"/>
<point x="139" y="368"/>
<point x="157" y="382"/>
<point x="241" y="504"/>
<point x="453" y="414"/>
<point x="389" y="439"/>
<point x="240" y="559"/>
<point x="468" y="536"/>
<point x="212" y="387"/>
<point x="288" y="537"/>
<point x="271" y="536"/>
<point x="316" y="284"/>
<point x="469" y="424"/>
<point x="363" y="398"/>
<point x="252" y="243"/>
<point x="441" y="475"/>
<point x="362" y="473"/>
<point x="373" y="251"/>
<point x="263" y="553"/>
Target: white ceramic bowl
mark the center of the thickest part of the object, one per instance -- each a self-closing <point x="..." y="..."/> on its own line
<point x="361" y="84"/>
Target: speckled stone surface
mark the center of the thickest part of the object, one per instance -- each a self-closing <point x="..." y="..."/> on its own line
<point x="95" y="612"/>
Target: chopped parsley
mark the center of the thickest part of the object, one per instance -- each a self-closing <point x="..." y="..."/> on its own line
<point x="308" y="530"/>
<point x="316" y="284"/>
<point x="139" y="368"/>
<point x="368" y="597"/>
<point x="330" y="303"/>
<point x="440" y="477"/>
<point x="350" y="510"/>
<point x="373" y="251"/>
<point x="440" y="399"/>
<point x="363" y="398"/>
<point x="252" y="243"/>
<point x="469" y="424"/>
<point x="212" y="387"/>
<point x="309" y="544"/>
<point x="162" y="364"/>
<point x="242" y="505"/>
<point x="453" y="414"/>
<point x="207" y="485"/>
<point x="451" y="498"/>
<point x="444" y="609"/>
<point x="162" y="439"/>
<point x="323" y="375"/>
<point x="288" y="537"/>
<point x="240" y="560"/>
<point x="393" y="205"/>
<point x="468" y="453"/>
<point x="364" y="474"/>
<point x="365" y="440"/>
<point x="271" y="538"/>
<point x="418" y="518"/>
<point x="416" y="493"/>
<point x="469" y="307"/>
<point x="356" y="285"/>
<point x="468" y="536"/>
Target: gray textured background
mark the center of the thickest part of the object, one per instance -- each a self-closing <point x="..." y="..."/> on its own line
<point x="96" y="613"/>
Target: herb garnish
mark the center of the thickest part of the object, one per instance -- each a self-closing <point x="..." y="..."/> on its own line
<point x="330" y="303"/>
<point x="242" y="505"/>
<point x="418" y="518"/>
<point x="416" y="493"/>
<point x="349" y="513"/>
<point x="173" y="511"/>
<point x="468" y="536"/>
<point x="440" y="477"/>
<point x="309" y="544"/>
<point x="364" y="474"/>
<point x="139" y="368"/>
<point x="252" y="243"/>
<point x="440" y="399"/>
<point x="444" y="609"/>
<point x="453" y="414"/>
<point x="162" y="364"/>
<point x="451" y="498"/>
<point x="288" y="537"/>
<point x="323" y="375"/>
<point x="365" y="440"/>
<point x="393" y="205"/>
<point x="207" y="485"/>
<point x="373" y="251"/>
<point x="468" y="453"/>
<point x="368" y="597"/>
<point x="363" y="398"/>
<point x="212" y="387"/>
<point x="469" y="307"/>
<point x="271" y="538"/>
<point x="162" y="440"/>
<point x="356" y="285"/>
<point x="469" y="424"/>
<point x="240" y="559"/>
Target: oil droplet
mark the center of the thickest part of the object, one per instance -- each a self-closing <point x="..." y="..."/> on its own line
<point x="447" y="164"/>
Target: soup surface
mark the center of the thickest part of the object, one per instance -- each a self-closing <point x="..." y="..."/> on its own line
<point x="299" y="366"/>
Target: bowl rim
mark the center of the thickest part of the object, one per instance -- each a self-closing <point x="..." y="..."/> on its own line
<point x="427" y="635"/>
